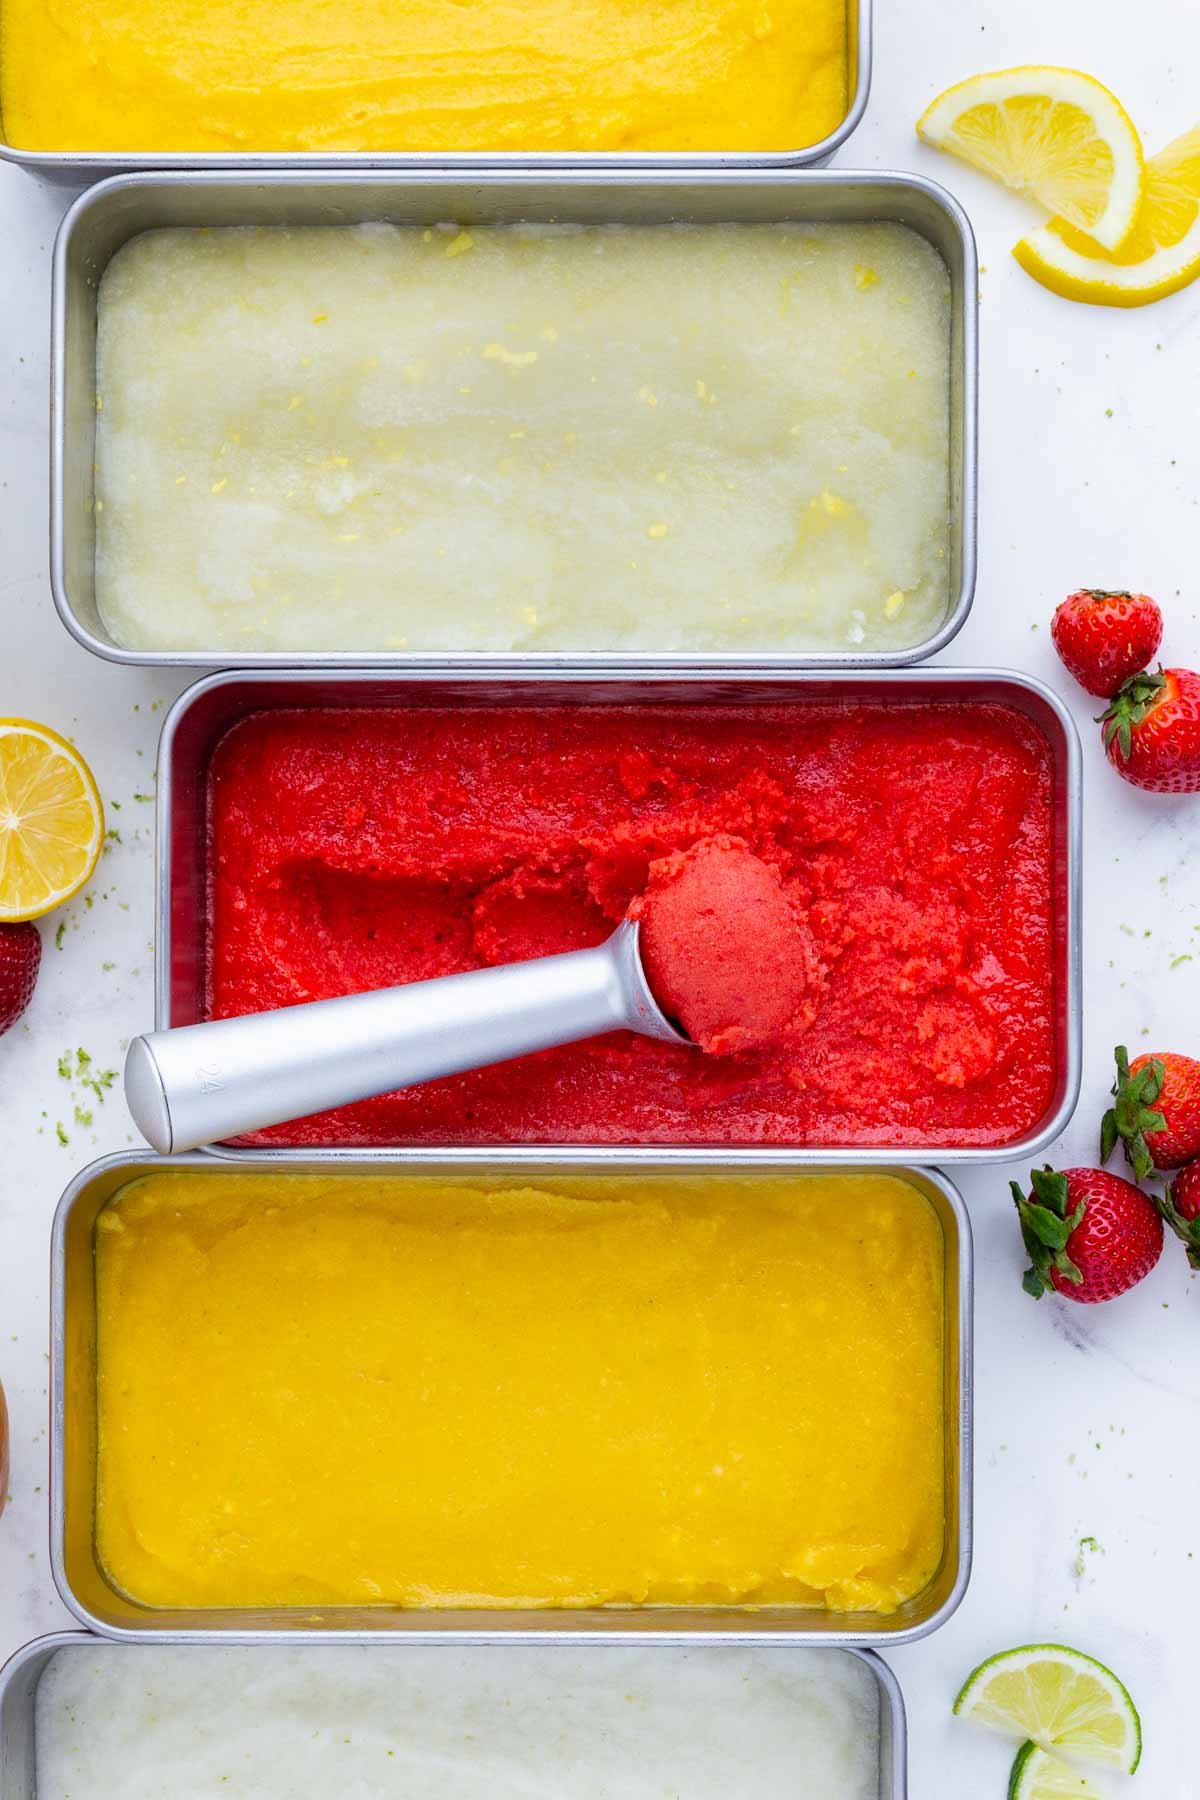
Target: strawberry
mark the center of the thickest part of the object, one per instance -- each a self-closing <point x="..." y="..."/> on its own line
<point x="1103" y="637"/>
<point x="1090" y="1235"/>
<point x="20" y="954"/>
<point x="1180" y="1209"/>
<point x="1156" y="1112"/>
<point x="1152" y="731"/>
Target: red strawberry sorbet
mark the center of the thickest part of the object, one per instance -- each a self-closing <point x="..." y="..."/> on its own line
<point x="724" y="949"/>
<point x="904" y="895"/>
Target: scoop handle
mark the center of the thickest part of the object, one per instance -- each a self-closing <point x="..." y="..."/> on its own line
<point x="202" y="1083"/>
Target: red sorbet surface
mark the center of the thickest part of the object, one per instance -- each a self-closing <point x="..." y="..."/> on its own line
<point x="353" y="848"/>
<point x="724" y="949"/>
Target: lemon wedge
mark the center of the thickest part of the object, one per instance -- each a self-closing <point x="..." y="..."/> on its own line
<point x="1052" y="133"/>
<point x="1160" y="256"/>
<point x="51" y="820"/>
<point x="1058" y="1699"/>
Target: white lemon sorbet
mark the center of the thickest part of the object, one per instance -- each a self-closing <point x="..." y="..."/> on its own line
<point x="629" y="439"/>
<point x="120" y="1722"/>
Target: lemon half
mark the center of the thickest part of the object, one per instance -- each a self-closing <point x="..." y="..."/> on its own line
<point x="1161" y="255"/>
<point x="51" y="820"/>
<point x="1056" y="134"/>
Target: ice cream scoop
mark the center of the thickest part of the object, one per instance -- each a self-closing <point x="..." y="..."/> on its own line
<point x="725" y="950"/>
<point x="733" y="965"/>
<point x="201" y="1083"/>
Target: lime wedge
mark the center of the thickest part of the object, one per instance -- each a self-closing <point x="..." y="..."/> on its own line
<point x="1060" y="1700"/>
<point x="1038" y="1776"/>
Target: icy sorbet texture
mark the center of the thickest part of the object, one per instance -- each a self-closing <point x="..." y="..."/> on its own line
<point x="724" y="950"/>
<point x="888" y="864"/>
<point x="332" y="75"/>
<point x="295" y="1722"/>
<point x="535" y="438"/>
<point x="421" y="1392"/>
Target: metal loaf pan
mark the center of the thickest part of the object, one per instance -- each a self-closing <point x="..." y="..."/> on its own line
<point x="20" y="1676"/>
<point x="201" y="716"/>
<point x="98" y="1604"/>
<point x="108" y="216"/>
<point x="76" y="168"/>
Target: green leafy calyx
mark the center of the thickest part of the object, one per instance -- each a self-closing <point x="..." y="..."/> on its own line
<point x="1186" y="1230"/>
<point x="1129" y="706"/>
<point x="1047" y="1222"/>
<point x="1133" y="1112"/>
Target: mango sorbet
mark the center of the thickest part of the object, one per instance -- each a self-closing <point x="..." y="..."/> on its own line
<point x="288" y="75"/>
<point x="636" y="1389"/>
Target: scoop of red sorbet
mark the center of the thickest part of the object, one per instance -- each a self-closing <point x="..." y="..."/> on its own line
<point x="724" y="950"/>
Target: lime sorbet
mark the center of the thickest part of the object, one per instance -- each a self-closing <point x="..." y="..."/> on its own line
<point x="528" y="438"/>
<point x="444" y="1722"/>
<point x="366" y="1389"/>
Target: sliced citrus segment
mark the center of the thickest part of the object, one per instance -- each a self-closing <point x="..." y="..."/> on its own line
<point x="1059" y="1699"/>
<point x="1160" y="256"/>
<point x="1053" y="133"/>
<point x="51" y="820"/>
<point x="1039" y="1776"/>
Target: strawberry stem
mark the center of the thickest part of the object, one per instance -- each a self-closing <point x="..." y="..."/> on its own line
<point x="1186" y="1230"/>
<point x="1046" y="1228"/>
<point x="1128" y="707"/>
<point x="1133" y="1113"/>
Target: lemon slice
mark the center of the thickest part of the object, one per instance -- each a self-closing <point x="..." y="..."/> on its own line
<point x="1060" y="1700"/>
<point x="51" y="820"/>
<point x="1160" y="256"/>
<point x="1037" y="1776"/>
<point x="1052" y="133"/>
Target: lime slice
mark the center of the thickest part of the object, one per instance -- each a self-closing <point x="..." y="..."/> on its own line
<point x="1060" y="1700"/>
<point x="1038" y="1776"/>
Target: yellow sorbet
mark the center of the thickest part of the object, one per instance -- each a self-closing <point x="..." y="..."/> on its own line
<point x="363" y="1389"/>
<point x="245" y="75"/>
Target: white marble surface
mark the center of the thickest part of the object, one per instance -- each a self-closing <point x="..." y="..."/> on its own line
<point x="1087" y="1420"/>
